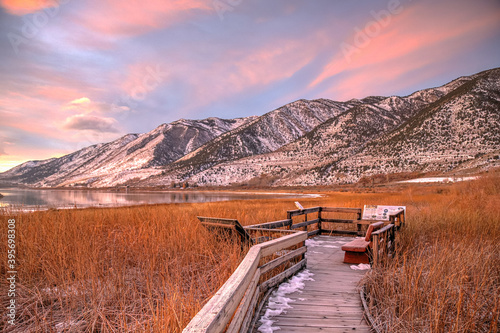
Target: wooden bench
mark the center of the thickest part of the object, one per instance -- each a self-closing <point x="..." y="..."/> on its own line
<point x="356" y="251"/>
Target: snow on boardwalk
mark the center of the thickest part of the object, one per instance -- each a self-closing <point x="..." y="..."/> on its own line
<point x="322" y="298"/>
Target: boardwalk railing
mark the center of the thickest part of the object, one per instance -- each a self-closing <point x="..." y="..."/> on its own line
<point x="233" y="307"/>
<point x="267" y="264"/>
<point x="384" y="239"/>
<point x="324" y="225"/>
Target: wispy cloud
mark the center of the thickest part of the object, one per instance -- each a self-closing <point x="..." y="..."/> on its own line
<point x="102" y="68"/>
<point x="134" y="17"/>
<point x="407" y="44"/>
<point x="92" y="123"/>
<point x="23" y="7"/>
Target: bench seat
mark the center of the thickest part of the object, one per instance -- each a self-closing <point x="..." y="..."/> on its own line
<point x="357" y="245"/>
<point x="356" y="251"/>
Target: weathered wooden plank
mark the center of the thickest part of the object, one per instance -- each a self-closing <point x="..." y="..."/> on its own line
<point x="261" y="239"/>
<point x="270" y="247"/>
<point x="329" y="303"/>
<point x="259" y="309"/>
<point x="271" y="225"/>
<point x="303" y="224"/>
<point x="242" y="310"/>
<point x="298" y="212"/>
<point x="215" y="315"/>
<point x="320" y="322"/>
<point x="341" y="232"/>
<point x="306" y="309"/>
<point x="341" y="210"/>
<point x="282" y="276"/>
<point x="218" y="225"/>
<point x="311" y="293"/>
<point x="339" y="220"/>
<point x="226" y="223"/>
<point x="247" y="321"/>
<point x="278" y="261"/>
<point x="314" y="232"/>
<point x="272" y="231"/>
<point x="307" y="316"/>
<point x="315" y="329"/>
<point x="322" y="309"/>
<point x="217" y="220"/>
<point x="382" y="230"/>
<point x="368" y="315"/>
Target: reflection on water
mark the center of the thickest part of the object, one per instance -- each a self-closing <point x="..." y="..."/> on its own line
<point x="85" y="198"/>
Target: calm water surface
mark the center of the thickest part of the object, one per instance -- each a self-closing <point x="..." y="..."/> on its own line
<point x="28" y="198"/>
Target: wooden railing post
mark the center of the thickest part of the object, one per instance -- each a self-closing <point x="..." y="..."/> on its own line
<point x="289" y="217"/>
<point x="305" y="220"/>
<point x="319" y="218"/>
<point x="235" y="302"/>
<point x="375" y="249"/>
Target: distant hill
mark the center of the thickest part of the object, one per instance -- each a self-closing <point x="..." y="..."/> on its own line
<point x="452" y="128"/>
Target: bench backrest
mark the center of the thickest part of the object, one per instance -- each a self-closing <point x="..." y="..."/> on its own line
<point x="371" y="228"/>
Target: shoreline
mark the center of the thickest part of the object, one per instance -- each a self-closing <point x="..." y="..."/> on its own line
<point x="171" y="197"/>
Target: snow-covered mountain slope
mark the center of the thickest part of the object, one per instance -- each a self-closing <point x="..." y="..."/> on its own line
<point x="125" y="158"/>
<point x="312" y="158"/>
<point x="454" y="127"/>
<point x="263" y="135"/>
<point x="459" y="131"/>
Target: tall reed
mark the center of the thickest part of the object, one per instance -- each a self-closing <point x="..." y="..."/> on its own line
<point x="151" y="268"/>
<point x="447" y="276"/>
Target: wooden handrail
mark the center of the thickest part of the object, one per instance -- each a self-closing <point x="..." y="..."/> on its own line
<point x="231" y="305"/>
<point x="400" y="216"/>
<point x="231" y="309"/>
<point x="382" y="243"/>
<point x="271" y="225"/>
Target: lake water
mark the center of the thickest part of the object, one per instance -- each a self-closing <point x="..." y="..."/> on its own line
<point x="32" y="199"/>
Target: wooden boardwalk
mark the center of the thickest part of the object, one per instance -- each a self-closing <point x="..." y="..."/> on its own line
<point x="330" y="303"/>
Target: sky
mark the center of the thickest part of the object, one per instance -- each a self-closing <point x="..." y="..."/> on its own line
<point x="75" y="73"/>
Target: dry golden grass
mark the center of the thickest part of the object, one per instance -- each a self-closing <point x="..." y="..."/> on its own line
<point x="151" y="268"/>
<point x="447" y="275"/>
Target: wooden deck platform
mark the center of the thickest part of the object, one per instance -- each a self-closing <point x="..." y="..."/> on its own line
<point x="330" y="303"/>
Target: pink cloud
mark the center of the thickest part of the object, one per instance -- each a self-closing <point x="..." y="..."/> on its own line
<point x="235" y="71"/>
<point x="239" y="71"/>
<point x="58" y="93"/>
<point x="23" y="7"/>
<point x="406" y="36"/>
<point x="142" y="78"/>
<point x="133" y="17"/>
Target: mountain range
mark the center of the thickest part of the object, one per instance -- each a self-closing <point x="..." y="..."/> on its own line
<point x="454" y="128"/>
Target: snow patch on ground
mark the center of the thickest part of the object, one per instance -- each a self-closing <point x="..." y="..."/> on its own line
<point x="439" y="179"/>
<point x="278" y="303"/>
<point x="360" y="267"/>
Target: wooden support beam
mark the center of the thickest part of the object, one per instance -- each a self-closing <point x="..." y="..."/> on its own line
<point x="341" y="210"/>
<point x="338" y="220"/>
<point x="271" y="225"/>
<point x="297" y="212"/>
<point x="279" y="261"/>
<point x="274" y="281"/>
<point x="304" y="224"/>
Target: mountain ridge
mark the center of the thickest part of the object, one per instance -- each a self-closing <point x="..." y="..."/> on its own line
<point x="305" y="142"/>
